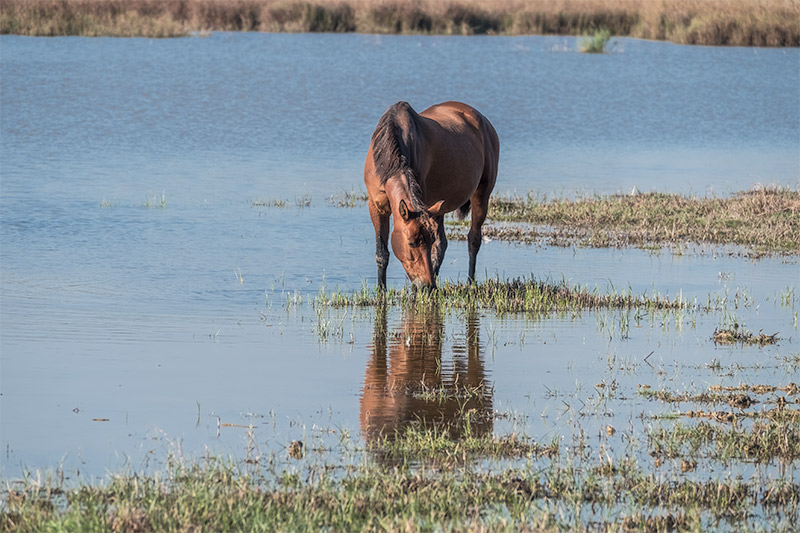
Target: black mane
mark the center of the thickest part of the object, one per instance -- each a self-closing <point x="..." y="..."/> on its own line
<point x="390" y="150"/>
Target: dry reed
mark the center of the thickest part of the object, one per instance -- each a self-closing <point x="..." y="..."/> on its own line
<point x="710" y="22"/>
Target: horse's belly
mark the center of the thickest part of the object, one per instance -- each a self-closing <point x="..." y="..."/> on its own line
<point x="454" y="186"/>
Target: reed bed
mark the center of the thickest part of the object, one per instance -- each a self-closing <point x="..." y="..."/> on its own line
<point x="709" y="22"/>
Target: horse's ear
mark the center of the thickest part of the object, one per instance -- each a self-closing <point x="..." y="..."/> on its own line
<point x="404" y="213"/>
<point x="436" y="209"/>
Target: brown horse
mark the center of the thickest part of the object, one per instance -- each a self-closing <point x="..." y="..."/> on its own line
<point x="419" y="167"/>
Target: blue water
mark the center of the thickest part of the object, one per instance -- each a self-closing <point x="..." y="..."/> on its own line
<point x="161" y="318"/>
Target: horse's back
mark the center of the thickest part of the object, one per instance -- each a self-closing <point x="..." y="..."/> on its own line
<point x="466" y="153"/>
<point x="454" y="114"/>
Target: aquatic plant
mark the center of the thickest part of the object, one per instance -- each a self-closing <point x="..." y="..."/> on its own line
<point x="351" y="198"/>
<point x="272" y="202"/>
<point x="596" y="42"/>
<point x="156" y="201"/>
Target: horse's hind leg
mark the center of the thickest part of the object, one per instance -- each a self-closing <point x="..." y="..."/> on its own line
<point x="381" y="224"/>
<point x="480" y="207"/>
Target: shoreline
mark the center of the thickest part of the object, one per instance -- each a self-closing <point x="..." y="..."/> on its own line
<point x="771" y="23"/>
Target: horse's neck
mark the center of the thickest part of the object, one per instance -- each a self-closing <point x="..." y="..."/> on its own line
<point x="398" y="188"/>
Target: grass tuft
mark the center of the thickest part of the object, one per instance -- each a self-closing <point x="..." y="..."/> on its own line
<point x="742" y="336"/>
<point x="596" y="42"/>
<point x="521" y="295"/>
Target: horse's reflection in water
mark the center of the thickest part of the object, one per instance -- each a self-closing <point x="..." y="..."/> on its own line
<point x="408" y="383"/>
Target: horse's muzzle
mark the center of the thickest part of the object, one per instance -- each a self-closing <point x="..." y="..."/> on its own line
<point x="420" y="284"/>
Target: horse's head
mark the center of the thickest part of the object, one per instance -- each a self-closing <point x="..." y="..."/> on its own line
<point x="413" y="237"/>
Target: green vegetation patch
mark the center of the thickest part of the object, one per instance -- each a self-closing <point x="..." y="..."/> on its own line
<point x="762" y="442"/>
<point x="521" y="295"/>
<point x="435" y="444"/>
<point x="218" y="496"/>
<point x="596" y="42"/>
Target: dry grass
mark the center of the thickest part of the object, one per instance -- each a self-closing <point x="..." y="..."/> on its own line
<point x="713" y="22"/>
<point x="742" y="336"/>
<point x="764" y="220"/>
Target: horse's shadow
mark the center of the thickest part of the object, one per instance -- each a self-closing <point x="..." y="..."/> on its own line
<point x="407" y="384"/>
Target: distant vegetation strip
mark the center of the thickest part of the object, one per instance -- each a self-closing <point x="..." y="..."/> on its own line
<point x="711" y="22"/>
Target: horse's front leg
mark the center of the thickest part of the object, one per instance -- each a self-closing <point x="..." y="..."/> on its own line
<point x="381" y="223"/>
<point x="439" y="246"/>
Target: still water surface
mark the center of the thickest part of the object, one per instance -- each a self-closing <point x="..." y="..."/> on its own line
<point x="161" y="320"/>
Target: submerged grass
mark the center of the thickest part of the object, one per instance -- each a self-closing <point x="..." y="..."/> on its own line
<point x="218" y="495"/>
<point x="711" y="22"/>
<point x="763" y="442"/>
<point x="738" y="434"/>
<point x="764" y="220"/>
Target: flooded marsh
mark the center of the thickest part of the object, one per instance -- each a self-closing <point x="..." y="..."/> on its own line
<point x="191" y="332"/>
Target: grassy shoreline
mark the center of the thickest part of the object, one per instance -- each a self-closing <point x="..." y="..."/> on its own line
<point x="713" y="22"/>
<point x="762" y="221"/>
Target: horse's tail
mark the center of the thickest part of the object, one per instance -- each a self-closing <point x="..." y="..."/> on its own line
<point x="462" y="211"/>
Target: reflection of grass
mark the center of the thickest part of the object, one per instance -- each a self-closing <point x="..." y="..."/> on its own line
<point x="716" y="22"/>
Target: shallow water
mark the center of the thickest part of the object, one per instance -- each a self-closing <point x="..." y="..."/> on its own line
<point x="129" y="327"/>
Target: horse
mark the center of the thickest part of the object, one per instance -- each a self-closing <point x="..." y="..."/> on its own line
<point x="419" y="167"/>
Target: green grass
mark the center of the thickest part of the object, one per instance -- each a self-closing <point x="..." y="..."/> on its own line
<point x="596" y="42"/>
<point x="521" y="295"/>
<point x="762" y="442"/>
<point x="219" y="495"/>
